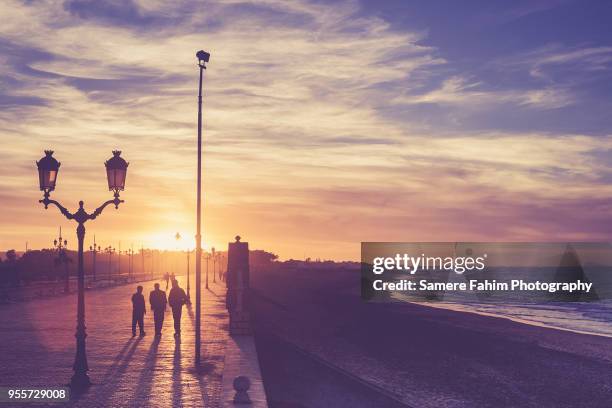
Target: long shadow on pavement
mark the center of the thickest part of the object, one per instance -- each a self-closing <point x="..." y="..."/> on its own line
<point x="177" y="390"/>
<point x="145" y="381"/>
<point x="113" y="376"/>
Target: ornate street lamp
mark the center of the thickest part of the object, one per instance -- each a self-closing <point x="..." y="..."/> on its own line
<point x="48" y="168"/>
<point x="188" y="289"/>
<point x="110" y="251"/>
<point x="142" y="261"/>
<point x="119" y="260"/>
<point x="116" y="169"/>
<point x="94" y="250"/>
<point x="60" y="245"/>
<point x="130" y="263"/>
<point x="214" y="260"/>
<point x="116" y="172"/>
<point x="203" y="57"/>
<point x="177" y="269"/>
<point x="207" y="258"/>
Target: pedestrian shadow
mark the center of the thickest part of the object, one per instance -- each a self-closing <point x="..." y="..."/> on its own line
<point x="112" y="377"/>
<point x="207" y="378"/>
<point x="190" y="314"/>
<point x="122" y="360"/>
<point x="177" y="390"/>
<point x="213" y="292"/>
<point x="145" y="381"/>
<point x="111" y="370"/>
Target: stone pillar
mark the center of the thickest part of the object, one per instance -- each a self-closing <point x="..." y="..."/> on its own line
<point x="238" y="287"/>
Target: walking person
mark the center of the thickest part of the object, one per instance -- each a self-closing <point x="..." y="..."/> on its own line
<point x="138" y="311"/>
<point x="158" y="302"/>
<point x="166" y="278"/>
<point x="177" y="299"/>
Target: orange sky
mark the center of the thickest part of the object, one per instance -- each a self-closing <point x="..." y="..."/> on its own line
<point x="309" y="146"/>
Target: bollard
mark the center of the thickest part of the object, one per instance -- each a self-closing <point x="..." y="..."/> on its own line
<point x="242" y="385"/>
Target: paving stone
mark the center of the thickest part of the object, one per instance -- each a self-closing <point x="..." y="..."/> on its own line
<point x="38" y="348"/>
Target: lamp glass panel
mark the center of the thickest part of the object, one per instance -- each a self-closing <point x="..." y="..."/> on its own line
<point x="116" y="179"/>
<point x="47" y="179"/>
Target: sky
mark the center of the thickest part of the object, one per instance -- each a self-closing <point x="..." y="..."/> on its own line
<point x="325" y="123"/>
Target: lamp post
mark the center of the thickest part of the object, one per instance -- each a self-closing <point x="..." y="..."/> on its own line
<point x="176" y="259"/>
<point x="110" y="251"/>
<point x="60" y="245"/>
<point x="119" y="261"/>
<point x="223" y="267"/>
<point x="207" y="258"/>
<point x="214" y="258"/>
<point x="131" y="263"/>
<point x="142" y="259"/>
<point x="188" y="294"/>
<point x="220" y="266"/>
<point x="203" y="58"/>
<point x="94" y="250"/>
<point x="116" y="171"/>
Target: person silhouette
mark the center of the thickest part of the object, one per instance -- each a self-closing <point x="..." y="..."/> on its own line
<point x="157" y="299"/>
<point x="166" y="278"/>
<point x="177" y="298"/>
<point x="138" y="311"/>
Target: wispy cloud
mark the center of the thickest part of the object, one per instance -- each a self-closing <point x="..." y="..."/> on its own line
<point x="313" y="140"/>
<point x="459" y="92"/>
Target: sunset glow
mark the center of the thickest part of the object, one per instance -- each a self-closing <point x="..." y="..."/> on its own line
<point x="335" y="125"/>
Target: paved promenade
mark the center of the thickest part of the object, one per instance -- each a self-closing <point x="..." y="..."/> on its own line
<point x="37" y="349"/>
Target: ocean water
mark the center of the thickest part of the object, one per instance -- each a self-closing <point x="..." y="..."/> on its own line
<point x="590" y="317"/>
<point x="581" y="317"/>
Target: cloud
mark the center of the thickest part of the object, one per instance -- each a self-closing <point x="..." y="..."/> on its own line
<point x="458" y="91"/>
<point x="312" y="135"/>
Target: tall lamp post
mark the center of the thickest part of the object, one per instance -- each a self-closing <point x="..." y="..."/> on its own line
<point x="94" y="250"/>
<point x="116" y="171"/>
<point x="203" y="58"/>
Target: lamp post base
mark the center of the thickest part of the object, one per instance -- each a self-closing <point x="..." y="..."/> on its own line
<point x="80" y="382"/>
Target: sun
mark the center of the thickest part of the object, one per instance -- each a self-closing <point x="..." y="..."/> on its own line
<point x="167" y="241"/>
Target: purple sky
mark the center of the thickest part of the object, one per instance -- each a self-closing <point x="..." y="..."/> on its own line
<point x="326" y="123"/>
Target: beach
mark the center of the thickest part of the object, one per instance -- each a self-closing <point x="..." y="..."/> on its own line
<point x="320" y="344"/>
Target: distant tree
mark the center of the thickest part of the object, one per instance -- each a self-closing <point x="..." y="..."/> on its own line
<point x="9" y="269"/>
<point x="260" y="257"/>
<point x="11" y="256"/>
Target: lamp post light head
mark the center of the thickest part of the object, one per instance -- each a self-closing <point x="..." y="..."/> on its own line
<point x="203" y="58"/>
<point x="48" y="168"/>
<point x="116" y="172"/>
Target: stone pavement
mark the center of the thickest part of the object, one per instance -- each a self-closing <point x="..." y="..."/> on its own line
<point x="37" y="349"/>
<point x="241" y="360"/>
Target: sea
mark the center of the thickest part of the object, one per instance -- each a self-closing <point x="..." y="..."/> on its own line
<point x="587" y="314"/>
